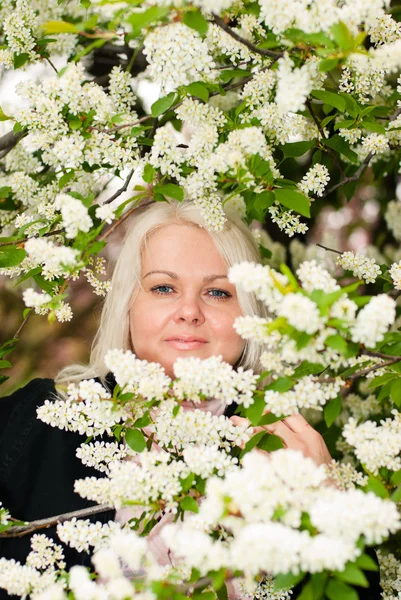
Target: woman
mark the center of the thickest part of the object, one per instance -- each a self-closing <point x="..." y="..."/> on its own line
<point x="170" y="298"/>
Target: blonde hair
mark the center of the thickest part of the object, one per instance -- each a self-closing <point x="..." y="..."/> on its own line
<point x="235" y="244"/>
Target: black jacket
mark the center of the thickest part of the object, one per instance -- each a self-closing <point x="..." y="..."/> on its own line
<point x="38" y="467"/>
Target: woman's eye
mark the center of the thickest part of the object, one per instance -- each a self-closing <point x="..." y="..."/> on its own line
<point x="219" y="294"/>
<point x="163" y="290"/>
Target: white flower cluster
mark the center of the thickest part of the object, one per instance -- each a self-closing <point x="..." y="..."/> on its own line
<point x="20" y="28"/>
<point x="212" y="378"/>
<point x="313" y="276"/>
<point x="152" y="481"/>
<point x="373" y="321"/>
<point x="393" y="218"/>
<point x="145" y="379"/>
<point x="295" y="84"/>
<point x="262" y="280"/>
<point x="300" y="312"/>
<point x="57" y="261"/>
<point x="39" y="573"/>
<point x="176" y="43"/>
<point x="100" y="288"/>
<point x="34" y="299"/>
<point x="345" y="476"/>
<point x="100" y="454"/>
<point x="361" y="266"/>
<point x="306" y="393"/>
<point x="395" y="272"/>
<point x="45" y="553"/>
<point x="88" y="410"/>
<point x="286" y="220"/>
<point x="74" y="215"/>
<point x="390" y="575"/>
<point x="82" y="533"/>
<point x="315" y="180"/>
<point x="190" y="428"/>
<point x="376" y="446"/>
<point x="290" y="482"/>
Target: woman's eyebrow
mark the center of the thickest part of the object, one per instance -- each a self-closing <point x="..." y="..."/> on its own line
<point x="173" y="275"/>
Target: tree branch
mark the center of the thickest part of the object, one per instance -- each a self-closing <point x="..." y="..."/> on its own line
<point x="122" y="189"/>
<point x="22" y="530"/>
<point x="122" y="219"/>
<point x="321" y="131"/>
<point x="9" y="140"/>
<point x="262" y="51"/>
<point x="353" y="177"/>
<point x="57" y="232"/>
<point x="329" y="249"/>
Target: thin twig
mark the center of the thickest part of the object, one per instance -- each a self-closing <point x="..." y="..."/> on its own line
<point x="122" y="189"/>
<point x="353" y="177"/>
<point x="374" y="368"/>
<point x="16" y="334"/>
<point x="22" y="530"/>
<point x="118" y="127"/>
<point x="329" y="249"/>
<point x="262" y="51"/>
<point x="52" y="65"/>
<point x="122" y="219"/>
<point x="324" y="137"/>
<point x="378" y="354"/>
<point x="22" y="240"/>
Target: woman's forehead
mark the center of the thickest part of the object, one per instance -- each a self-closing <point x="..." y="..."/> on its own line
<point x="182" y="247"/>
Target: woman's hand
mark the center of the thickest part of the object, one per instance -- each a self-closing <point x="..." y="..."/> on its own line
<point x="297" y="434"/>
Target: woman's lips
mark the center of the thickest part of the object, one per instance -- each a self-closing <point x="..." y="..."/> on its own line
<point x="183" y="343"/>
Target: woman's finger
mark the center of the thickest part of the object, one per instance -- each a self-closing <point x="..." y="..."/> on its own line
<point x="297" y="423"/>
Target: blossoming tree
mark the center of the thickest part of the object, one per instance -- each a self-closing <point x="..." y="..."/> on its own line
<point x="270" y="108"/>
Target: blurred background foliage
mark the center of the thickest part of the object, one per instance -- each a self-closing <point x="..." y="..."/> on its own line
<point x="344" y="220"/>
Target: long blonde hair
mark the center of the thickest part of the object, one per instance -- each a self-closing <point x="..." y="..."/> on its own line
<point x="235" y="244"/>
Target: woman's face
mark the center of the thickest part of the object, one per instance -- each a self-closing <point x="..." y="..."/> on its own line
<point x="186" y="306"/>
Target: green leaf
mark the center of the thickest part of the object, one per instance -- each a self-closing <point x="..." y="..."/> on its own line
<point x="199" y="90"/>
<point x="255" y="411"/>
<point x="3" y="116"/>
<point x="337" y="343"/>
<point x="5" y="364"/>
<point x="227" y="74"/>
<point x="342" y="36"/>
<point x="222" y="593"/>
<point x="351" y="107"/>
<point x="395" y="478"/>
<point x="340" y="145"/>
<point x="189" y="504"/>
<point x="293" y="200"/>
<point x="10" y="256"/>
<point x="352" y="574"/>
<point x="195" y="20"/>
<point x="327" y="64"/>
<point x="332" y="410"/>
<point x="287" y="580"/>
<point x="381" y="380"/>
<point x="59" y="27"/>
<point x="345" y="124"/>
<point x="270" y="443"/>
<point x="163" y="104"/>
<point x="140" y="20"/>
<point x="171" y="190"/>
<point x="338" y="590"/>
<point x="282" y="384"/>
<point x="307" y="368"/>
<point x="187" y="482"/>
<point x="396" y="495"/>
<point x="367" y="563"/>
<point x="250" y="445"/>
<point x="135" y="440"/>
<point x="395" y="392"/>
<point x="148" y="173"/>
<point x="330" y="98"/>
<point x="377" y="487"/>
<point x="373" y="126"/>
<point x="297" y="148"/>
<point x="262" y="202"/>
<point x="20" y="60"/>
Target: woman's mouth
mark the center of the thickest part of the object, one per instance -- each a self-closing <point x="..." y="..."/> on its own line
<point x="186" y="342"/>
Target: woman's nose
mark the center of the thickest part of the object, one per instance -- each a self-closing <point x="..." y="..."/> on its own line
<point x="189" y="310"/>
